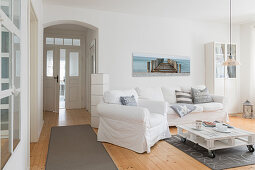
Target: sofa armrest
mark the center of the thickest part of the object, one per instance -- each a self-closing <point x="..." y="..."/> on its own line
<point x="123" y="113"/>
<point x="220" y="99"/>
<point x="154" y="106"/>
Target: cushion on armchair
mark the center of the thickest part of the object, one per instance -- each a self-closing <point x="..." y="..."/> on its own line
<point x="113" y="96"/>
<point x="128" y="100"/>
<point x="153" y="93"/>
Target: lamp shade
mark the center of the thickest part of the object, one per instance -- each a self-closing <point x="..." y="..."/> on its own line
<point x="231" y="62"/>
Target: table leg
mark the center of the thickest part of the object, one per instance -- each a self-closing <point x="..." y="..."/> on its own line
<point x="211" y="154"/>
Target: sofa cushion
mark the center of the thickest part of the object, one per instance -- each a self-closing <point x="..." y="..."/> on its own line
<point x="113" y="96"/>
<point x="169" y="94"/>
<point x="198" y="108"/>
<point x="213" y="106"/>
<point x="183" y="97"/>
<point x="150" y="93"/>
<point x="201" y="96"/>
<point x="155" y="119"/>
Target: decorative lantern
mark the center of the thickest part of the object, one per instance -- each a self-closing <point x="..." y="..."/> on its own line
<point x="248" y="109"/>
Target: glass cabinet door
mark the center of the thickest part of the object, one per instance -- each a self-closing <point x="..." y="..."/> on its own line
<point x="231" y="70"/>
<point x="220" y="58"/>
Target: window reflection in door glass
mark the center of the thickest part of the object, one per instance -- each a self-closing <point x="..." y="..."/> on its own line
<point x="16" y="60"/>
<point x="68" y="41"/>
<point x="5" y="130"/>
<point x="6" y="59"/>
<point x="74" y="64"/>
<point x="16" y="12"/>
<point x="6" y="6"/>
<point x="76" y="42"/>
<point x="16" y="122"/>
<point x="50" y="63"/>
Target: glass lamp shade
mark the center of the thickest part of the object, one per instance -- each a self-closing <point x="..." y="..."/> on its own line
<point x="231" y="62"/>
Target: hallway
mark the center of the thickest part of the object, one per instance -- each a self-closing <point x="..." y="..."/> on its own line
<point x="38" y="151"/>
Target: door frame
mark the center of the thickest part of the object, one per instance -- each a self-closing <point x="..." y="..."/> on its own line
<point x="33" y="76"/>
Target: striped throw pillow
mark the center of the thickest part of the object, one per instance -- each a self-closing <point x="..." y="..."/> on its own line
<point x="183" y="97"/>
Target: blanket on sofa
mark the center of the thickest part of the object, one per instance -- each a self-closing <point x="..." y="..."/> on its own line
<point x="183" y="109"/>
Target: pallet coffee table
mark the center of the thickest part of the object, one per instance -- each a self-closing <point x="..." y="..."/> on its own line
<point x="212" y="140"/>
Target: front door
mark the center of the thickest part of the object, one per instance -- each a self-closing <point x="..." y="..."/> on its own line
<point x="51" y="79"/>
<point x="73" y="79"/>
<point x="64" y="88"/>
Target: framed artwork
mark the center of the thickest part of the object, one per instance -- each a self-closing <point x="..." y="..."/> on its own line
<point x="145" y="65"/>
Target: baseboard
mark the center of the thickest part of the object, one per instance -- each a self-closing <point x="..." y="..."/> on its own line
<point x="235" y="114"/>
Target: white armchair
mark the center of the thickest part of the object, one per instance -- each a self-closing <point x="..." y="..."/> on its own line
<point x="134" y="127"/>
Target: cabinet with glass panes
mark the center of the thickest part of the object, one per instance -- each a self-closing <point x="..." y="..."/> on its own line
<point x="215" y="55"/>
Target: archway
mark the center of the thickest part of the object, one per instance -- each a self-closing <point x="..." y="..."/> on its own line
<point x="61" y="31"/>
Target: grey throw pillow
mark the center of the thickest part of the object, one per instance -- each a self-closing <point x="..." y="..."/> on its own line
<point x="201" y="96"/>
<point x="183" y="109"/>
<point x="183" y="97"/>
<point x="128" y="100"/>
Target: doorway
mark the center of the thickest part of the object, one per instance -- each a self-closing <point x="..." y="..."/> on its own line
<point x="63" y="72"/>
<point x="67" y="66"/>
<point x="62" y="77"/>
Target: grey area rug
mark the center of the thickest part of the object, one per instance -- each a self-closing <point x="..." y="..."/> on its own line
<point x="225" y="158"/>
<point x="76" y="148"/>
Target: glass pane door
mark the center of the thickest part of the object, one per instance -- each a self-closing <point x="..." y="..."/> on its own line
<point x="5" y="130"/>
<point x="74" y="64"/>
<point x="6" y="60"/>
<point x="10" y="58"/>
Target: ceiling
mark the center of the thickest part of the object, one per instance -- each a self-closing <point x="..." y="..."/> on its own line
<point x="210" y="10"/>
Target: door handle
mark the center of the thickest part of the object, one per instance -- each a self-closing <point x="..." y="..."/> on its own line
<point x="56" y="78"/>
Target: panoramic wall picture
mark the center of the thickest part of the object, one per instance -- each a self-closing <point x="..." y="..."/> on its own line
<point x="160" y="65"/>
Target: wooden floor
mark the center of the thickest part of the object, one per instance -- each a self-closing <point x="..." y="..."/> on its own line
<point x="5" y="151"/>
<point x="162" y="156"/>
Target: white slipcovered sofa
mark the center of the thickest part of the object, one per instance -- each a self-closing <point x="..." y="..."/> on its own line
<point x="134" y="127"/>
<point x="205" y="111"/>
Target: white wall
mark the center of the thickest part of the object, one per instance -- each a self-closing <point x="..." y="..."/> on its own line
<point x="247" y="40"/>
<point x="122" y="34"/>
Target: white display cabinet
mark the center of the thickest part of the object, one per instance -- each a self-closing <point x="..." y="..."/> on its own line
<point x="216" y="72"/>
